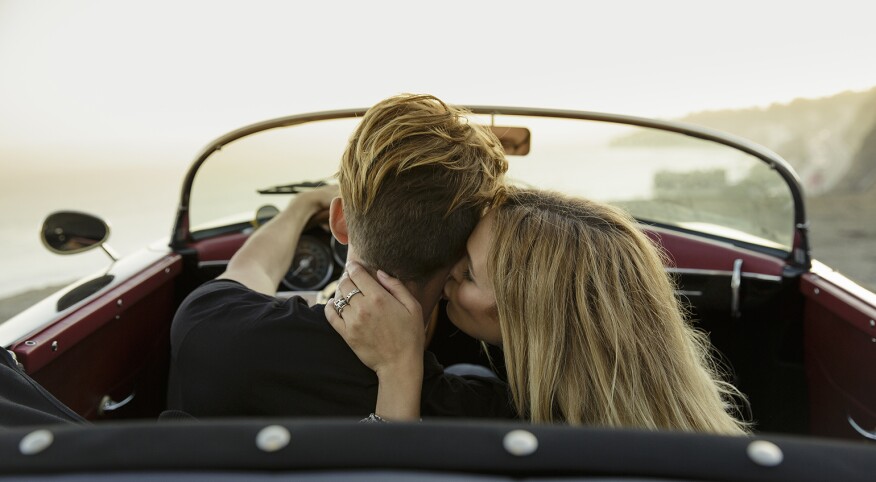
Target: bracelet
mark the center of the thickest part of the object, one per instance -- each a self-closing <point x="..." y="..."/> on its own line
<point x="373" y="418"/>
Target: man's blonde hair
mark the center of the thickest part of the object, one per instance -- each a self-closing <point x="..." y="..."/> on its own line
<point x="415" y="179"/>
<point x="591" y="328"/>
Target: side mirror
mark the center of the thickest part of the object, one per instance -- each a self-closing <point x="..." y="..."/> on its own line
<point x="68" y="232"/>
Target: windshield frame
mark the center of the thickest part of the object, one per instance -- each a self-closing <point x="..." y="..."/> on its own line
<point x="799" y="257"/>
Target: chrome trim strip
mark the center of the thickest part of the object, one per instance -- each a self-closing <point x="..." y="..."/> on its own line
<point x="688" y="293"/>
<point x="212" y="263"/>
<point x="716" y="272"/>
<point x="840" y="281"/>
<point x="735" y="283"/>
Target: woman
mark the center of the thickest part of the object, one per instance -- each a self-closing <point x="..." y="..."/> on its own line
<point x="579" y="300"/>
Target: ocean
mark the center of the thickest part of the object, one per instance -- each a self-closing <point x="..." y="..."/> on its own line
<point x="137" y="193"/>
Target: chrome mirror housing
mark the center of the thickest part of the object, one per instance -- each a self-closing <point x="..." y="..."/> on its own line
<point x="70" y="232"/>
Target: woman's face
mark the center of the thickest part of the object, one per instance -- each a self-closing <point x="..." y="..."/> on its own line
<point x="471" y="299"/>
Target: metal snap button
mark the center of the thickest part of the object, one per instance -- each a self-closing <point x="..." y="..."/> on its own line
<point x="35" y="442"/>
<point x="520" y="443"/>
<point x="765" y="454"/>
<point x="273" y="438"/>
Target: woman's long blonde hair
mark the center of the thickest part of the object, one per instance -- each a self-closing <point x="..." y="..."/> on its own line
<point x="591" y="328"/>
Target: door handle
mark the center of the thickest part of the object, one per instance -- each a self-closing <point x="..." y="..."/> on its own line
<point x="735" y="284"/>
<point x="107" y="404"/>
<point x="861" y="430"/>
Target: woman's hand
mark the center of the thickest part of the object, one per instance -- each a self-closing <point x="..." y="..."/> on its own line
<point x="383" y="324"/>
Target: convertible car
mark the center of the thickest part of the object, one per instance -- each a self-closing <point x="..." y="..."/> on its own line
<point x="798" y="338"/>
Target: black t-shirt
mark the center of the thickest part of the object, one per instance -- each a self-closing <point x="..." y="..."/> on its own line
<point x="23" y="401"/>
<point x="237" y="352"/>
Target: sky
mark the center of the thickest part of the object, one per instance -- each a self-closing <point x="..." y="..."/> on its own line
<point x="82" y="72"/>
<point x="102" y="100"/>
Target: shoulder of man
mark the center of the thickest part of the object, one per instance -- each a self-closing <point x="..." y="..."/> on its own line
<point x="282" y="349"/>
<point x="228" y="307"/>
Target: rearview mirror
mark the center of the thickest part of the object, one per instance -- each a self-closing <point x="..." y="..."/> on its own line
<point x="515" y="140"/>
<point x="68" y="232"/>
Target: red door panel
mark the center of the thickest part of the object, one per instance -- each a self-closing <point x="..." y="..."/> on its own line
<point x="840" y="350"/>
<point x="115" y="345"/>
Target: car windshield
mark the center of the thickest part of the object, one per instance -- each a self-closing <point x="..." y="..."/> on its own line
<point x="658" y="176"/>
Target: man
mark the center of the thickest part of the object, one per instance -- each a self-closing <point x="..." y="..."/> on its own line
<point x="414" y="180"/>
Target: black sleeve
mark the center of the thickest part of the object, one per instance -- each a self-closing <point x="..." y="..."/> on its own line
<point x="469" y="396"/>
<point x="25" y="402"/>
<point x="213" y="302"/>
<point x="238" y="352"/>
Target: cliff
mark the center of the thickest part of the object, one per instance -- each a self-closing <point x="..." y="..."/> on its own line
<point x="830" y="141"/>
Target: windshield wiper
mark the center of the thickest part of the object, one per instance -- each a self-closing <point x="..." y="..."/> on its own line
<point x="292" y="188"/>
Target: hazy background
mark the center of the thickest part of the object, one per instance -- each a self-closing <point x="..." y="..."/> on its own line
<point x="103" y="104"/>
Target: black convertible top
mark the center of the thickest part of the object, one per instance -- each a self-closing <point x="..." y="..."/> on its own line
<point x="460" y="450"/>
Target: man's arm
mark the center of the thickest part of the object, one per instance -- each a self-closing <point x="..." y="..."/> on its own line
<point x="265" y="257"/>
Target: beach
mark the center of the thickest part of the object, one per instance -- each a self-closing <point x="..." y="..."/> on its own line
<point x="12" y="305"/>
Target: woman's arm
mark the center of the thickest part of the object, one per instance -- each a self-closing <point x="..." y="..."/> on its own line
<point x="383" y="324"/>
<point x="398" y="392"/>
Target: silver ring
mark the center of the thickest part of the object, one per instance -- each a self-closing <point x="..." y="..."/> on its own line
<point x="351" y="294"/>
<point x="340" y="303"/>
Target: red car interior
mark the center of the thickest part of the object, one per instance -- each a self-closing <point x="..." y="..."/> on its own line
<point x="797" y="347"/>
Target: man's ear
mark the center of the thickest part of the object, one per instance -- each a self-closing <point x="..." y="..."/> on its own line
<point x="337" y="221"/>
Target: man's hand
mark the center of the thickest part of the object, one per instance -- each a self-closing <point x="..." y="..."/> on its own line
<point x="265" y="257"/>
<point x="316" y="201"/>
